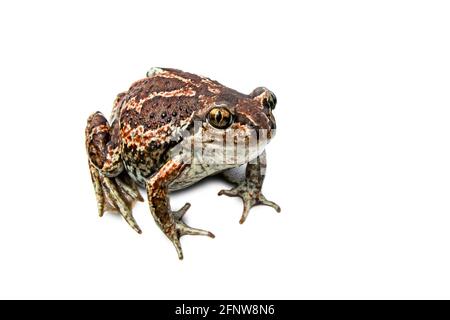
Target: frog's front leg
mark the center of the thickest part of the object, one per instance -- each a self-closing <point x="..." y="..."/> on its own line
<point x="249" y="187"/>
<point x="113" y="188"/>
<point x="169" y="221"/>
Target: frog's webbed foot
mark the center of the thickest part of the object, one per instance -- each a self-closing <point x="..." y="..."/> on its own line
<point x="180" y="228"/>
<point x="251" y="196"/>
<point x="117" y="194"/>
<point x="248" y="186"/>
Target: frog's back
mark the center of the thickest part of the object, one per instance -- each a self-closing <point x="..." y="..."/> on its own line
<point x="167" y="96"/>
<point x="151" y="115"/>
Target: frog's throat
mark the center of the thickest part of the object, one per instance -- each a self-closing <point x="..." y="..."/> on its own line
<point x="221" y="148"/>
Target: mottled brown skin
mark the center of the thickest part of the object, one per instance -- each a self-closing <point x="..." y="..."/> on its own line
<point x="159" y="114"/>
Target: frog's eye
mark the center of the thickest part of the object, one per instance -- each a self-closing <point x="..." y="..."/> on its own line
<point x="220" y="118"/>
<point x="270" y="101"/>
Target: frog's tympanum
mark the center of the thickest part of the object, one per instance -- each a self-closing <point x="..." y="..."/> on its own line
<point x="170" y="130"/>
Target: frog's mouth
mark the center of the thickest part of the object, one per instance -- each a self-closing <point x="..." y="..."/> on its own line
<point x="265" y="134"/>
<point x="237" y="145"/>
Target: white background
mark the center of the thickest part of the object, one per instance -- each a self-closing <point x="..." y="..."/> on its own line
<point x="360" y="164"/>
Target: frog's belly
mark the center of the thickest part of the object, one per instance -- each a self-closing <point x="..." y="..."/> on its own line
<point x="195" y="173"/>
<point x="192" y="174"/>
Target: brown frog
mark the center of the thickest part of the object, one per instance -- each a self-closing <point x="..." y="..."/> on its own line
<point x="170" y="130"/>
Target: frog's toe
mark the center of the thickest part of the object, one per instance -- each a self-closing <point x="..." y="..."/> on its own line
<point x="180" y="228"/>
<point x="184" y="230"/>
<point x="101" y="198"/>
<point x="250" y="202"/>
<point x="250" y="198"/>
<point x="263" y="201"/>
<point x="130" y="220"/>
<point x="177" y="244"/>
<point x="231" y="193"/>
<point x="180" y="213"/>
<point x="119" y="201"/>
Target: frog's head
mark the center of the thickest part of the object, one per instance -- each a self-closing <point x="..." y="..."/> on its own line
<point x="249" y="113"/>
<point x="237" y="123"/>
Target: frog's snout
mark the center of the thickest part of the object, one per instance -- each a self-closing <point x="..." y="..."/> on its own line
<point x="265" y="101"/>
<point x="264" y="125"/>
<point x="273" y="126"/>
<point x="270" y="116"/>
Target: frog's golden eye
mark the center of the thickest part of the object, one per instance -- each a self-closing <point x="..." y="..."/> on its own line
<point x="220" y="117"/>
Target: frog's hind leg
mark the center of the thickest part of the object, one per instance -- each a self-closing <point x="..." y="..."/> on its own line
<point x="114" y="189"/>
<point x="249" y="185"/>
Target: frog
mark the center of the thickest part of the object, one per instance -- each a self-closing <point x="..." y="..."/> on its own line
<point x="170" y="130"/>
